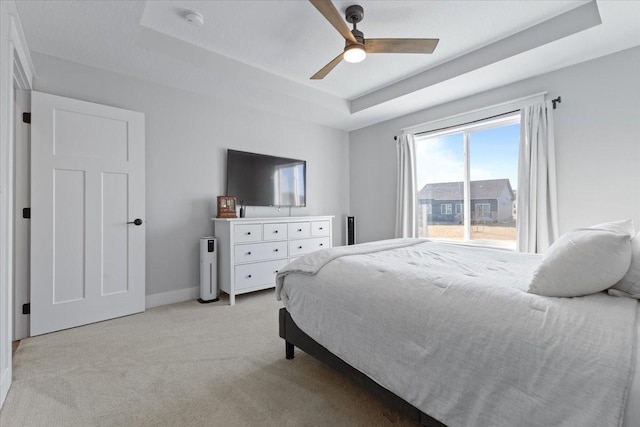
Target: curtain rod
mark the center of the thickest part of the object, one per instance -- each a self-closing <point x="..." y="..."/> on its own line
<point x="555" y="101"/>
<point x="395" y="138"/>
<point x="467" y="123"/>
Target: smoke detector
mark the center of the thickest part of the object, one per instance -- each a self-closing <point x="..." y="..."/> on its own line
<point x="194" y="18"/>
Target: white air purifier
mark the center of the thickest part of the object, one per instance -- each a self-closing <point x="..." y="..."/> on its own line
<point x="208" y="270"/>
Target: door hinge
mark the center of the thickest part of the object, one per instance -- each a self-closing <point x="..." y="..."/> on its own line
<point x="26" y="213"/>
<point x="26" y="118"/>
<point x="26" y="308"/>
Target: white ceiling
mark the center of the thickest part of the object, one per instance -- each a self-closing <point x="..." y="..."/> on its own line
<point x="262" y="53"/>
<point x="291" y="39"/>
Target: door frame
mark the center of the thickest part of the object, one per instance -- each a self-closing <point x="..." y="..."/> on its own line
<point x="16" y="71"/>
<point x="21" y="226"/>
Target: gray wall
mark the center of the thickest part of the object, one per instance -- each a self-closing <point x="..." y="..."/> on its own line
<point x="597" y="145"/>
<point x="187" y="136"/>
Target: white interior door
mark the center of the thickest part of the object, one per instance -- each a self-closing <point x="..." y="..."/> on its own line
<point x="87" y="186"/>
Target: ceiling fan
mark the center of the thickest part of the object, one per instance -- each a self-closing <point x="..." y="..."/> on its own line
<point x="356" y="46"/>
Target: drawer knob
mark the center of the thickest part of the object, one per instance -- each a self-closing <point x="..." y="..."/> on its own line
<point x="248" y="233"/>
<point x="276" y="271"/>
<point x="275" y="231"/>
<point x="275" y="250"/>
<point x="321" y="244"/>
<point x="248" y="253"/>
<point x="320" y="228"/>
<point x="299" y="247"/>
<point x="249" y="276"/>
<point x="299" y="229"/>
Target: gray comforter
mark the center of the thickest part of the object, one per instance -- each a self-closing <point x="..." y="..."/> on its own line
<point x="451" y="329"/>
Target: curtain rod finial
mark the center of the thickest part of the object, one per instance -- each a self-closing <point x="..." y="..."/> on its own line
<point x="558" y="100"/>
<point x="395" y="138"/>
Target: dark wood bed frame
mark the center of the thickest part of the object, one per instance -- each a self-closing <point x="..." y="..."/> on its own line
<point x="295" y="337"/>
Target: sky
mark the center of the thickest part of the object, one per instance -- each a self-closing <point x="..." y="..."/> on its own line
<point x="493" y="155"/>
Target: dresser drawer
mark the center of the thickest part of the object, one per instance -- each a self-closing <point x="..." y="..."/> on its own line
<point x="320" y="228"/>
<point x="247" y="233"/>
<point x="275" y="231"/>
<point x="301" y="247"/>
<point x="298" y="230"/>
<point x="258" y="274"/>
<point x="260" y="251"/>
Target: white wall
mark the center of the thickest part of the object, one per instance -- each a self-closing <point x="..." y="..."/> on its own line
<point x="597" y="145"/>
<point x="187" y="136"/>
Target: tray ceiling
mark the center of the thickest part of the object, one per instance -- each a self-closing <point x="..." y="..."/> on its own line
<point x="262" y="53"/>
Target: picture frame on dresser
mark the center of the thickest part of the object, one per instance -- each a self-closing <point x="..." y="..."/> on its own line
<point x="226" y="207"/>
<point x="251" y="251"/>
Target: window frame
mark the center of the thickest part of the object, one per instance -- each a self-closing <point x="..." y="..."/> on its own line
<point x="480" y="212"/>
<point x="449" y="209"/>
<point x="466" y="129"/>
<point x="483" y="205"/>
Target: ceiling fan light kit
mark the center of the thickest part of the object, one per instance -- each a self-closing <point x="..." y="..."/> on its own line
<point x="354" y="53"/>
<point x="357" y="47"/>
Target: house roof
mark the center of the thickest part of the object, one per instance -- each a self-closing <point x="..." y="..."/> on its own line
<point x="483" y="189"/>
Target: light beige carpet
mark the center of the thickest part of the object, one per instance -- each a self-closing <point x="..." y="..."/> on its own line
<point x="184" y="364"/>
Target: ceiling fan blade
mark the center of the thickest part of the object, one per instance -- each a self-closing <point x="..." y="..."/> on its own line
<point x="327" y="68"/>
<point x="331" y="14"/>
<point x="400" y="45"/>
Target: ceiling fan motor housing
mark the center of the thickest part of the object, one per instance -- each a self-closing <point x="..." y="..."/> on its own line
<point x="359" y="35"/>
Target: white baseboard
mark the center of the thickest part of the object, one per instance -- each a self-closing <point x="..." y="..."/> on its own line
<point x="171" y="297"/>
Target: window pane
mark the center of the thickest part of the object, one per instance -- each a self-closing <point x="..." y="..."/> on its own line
<point x="440" y="177"/>
<point x="493" y="158"/>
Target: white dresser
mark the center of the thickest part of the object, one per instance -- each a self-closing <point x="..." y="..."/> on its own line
<point x="252" y="250"/>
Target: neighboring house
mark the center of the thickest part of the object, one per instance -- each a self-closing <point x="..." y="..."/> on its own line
<point x="491" y="201"/>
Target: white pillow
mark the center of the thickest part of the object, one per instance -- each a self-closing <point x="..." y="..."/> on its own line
<point x="630" y="283"/>
<point x="582" y="262"/>
<point x="624" y="226"/>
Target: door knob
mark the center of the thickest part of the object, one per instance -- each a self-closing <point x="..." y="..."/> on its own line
<point x="136" y="221"/>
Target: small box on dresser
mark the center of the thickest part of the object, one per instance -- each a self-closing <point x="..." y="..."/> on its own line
<point x="253" y="250"/>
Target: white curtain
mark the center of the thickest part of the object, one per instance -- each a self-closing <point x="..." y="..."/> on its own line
<point x="537" y="208"/>
<point x="406" y="225"/>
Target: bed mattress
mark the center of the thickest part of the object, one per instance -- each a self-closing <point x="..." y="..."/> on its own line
<point x="451" y="329"/>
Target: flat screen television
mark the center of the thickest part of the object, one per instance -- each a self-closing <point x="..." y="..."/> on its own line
<point x="261" y="180"/>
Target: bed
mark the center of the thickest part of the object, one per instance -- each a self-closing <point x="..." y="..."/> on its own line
<point x="448" y="334"/>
